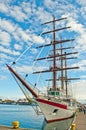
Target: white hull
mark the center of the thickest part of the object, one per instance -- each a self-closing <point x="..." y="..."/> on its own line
<point x="55" y="111"/>
<point x="59" y="125"/>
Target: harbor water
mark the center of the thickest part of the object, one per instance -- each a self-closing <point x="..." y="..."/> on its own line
<point x="28" y="118"/>
<point x="22" y="113"/>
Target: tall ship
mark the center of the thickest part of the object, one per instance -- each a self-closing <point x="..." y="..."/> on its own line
<point x="56" y="104"/>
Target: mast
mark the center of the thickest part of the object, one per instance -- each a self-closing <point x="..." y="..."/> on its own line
<point x="54" y="51"/>
<point x="62" y="81"/>
<point x="54" y="69"/>
<point x="66" y="76"/>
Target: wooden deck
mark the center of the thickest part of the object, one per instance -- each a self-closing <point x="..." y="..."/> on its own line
<point x="80" y="121"/>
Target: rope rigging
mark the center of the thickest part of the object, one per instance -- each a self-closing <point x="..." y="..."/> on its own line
<point x="14" y="62"/>
<point x="34" y="62"/>
<point x="44" y="64"/>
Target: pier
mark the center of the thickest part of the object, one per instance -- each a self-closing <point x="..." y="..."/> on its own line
<point x="80" y="121"/>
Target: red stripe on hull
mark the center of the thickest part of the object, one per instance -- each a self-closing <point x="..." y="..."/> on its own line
<point x="52" y="103"/>
<point x="50" y="121"/>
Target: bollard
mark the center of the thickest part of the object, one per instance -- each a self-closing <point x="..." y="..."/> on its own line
<point x="73" y="127"/>
<point x="15" y="124"/>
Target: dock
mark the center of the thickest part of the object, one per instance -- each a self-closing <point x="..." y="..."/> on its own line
<point x="80" y="121"/>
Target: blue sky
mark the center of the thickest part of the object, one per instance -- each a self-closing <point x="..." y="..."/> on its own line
<point x="20" y="26"/>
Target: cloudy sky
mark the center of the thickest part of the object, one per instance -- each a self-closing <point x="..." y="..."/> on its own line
<point x="20" y="32"/>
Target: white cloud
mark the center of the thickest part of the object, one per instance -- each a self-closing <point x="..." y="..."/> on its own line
<point x="61" y="7"/>
<point x="18" y="33"/>
<point x="23" y="35"/>
<point x="5" y="1"/>
<point x="25" y="69"/>
<point x="5" y="38"/>
<point x="75" y="25"/>
<point x="51" y="4"/>
<point x="14" y="30"/>
<point x="4" y="56"/>
<point x="81" y="40"/>
<point x="9" y="51"/>
<point x="82" y="65"/>
<point x="7" y="25"/>
<point x="17" y="46"/>
<point x="26" y="7"/>
<point x="79" y="89"/>
<point x="42" y="15"/>
<point x="17" y="13"/>
<point x="37" y="39"/>
<point x="33" y="50"/>
<point x="81" y="2"/>
<point x="80" y="30"/>
<point x="29" y="69"/>
<point x="3" y="8"/>
<point x="83" y="12"/>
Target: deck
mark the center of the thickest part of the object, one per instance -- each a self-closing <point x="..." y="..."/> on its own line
<point x="80" y="121"/>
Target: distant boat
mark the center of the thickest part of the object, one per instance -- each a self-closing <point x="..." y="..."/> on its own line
<point x="57" y="106"/>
